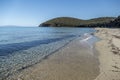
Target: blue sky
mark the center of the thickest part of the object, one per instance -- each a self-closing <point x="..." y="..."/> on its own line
<point x="33" y="12"/>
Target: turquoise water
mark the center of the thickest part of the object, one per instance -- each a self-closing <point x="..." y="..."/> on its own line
<point x="21" y="47"/>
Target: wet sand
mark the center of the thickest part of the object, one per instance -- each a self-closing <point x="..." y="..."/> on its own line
<point x="109" y="53"/>
<point x="76" y="61"/>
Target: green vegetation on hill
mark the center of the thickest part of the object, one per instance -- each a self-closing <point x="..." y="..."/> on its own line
<point x="74" y="22"/>
<point x="115" y="23"/>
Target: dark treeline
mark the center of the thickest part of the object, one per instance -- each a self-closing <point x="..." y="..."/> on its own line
<point x="115" y="23"/>
<point x="112" y="24"/>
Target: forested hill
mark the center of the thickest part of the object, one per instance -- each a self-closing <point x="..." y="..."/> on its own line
<point x="75" y="22"/>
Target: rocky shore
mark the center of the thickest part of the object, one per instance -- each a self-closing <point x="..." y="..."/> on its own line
<point x="109" y="53"/>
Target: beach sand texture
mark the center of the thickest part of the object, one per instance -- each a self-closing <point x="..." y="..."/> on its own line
<point x="109" y="53"/>
<point x="74" y="62"/>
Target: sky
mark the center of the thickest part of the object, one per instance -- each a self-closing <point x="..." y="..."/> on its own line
<point x="34" y="12"/>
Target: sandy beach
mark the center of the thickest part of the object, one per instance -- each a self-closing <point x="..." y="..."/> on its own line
<point x="76" y="61"/>
<point x="109" y="53"/>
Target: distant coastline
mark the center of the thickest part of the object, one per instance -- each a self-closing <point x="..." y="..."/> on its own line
<point x="74" y="22"/>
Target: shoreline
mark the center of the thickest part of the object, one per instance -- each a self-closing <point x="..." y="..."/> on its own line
<point x="101" y="64"/>
<point x="73" y="62"/>
<point x="109" y="53"/>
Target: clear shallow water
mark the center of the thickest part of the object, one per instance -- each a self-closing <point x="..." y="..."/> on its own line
<point x="21" y="47"/>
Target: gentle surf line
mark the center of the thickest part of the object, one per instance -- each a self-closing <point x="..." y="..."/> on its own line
<point x="7" y="49"/>
<point x="45" y="57"/>
<point x="86" y="37"/>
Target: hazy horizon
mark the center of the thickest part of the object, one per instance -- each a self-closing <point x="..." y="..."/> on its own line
<point x="34" y="12"/>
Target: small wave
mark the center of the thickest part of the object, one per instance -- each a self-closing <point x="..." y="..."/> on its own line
<point x="86" y="37"/>
<point x="85" y="41"/>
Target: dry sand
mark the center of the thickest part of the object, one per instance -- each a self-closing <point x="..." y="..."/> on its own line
<point x="109" y="57"/>
<point x="74" y="62"/>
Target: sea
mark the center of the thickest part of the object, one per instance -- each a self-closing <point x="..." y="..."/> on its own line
<point x="22" y="47"/>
